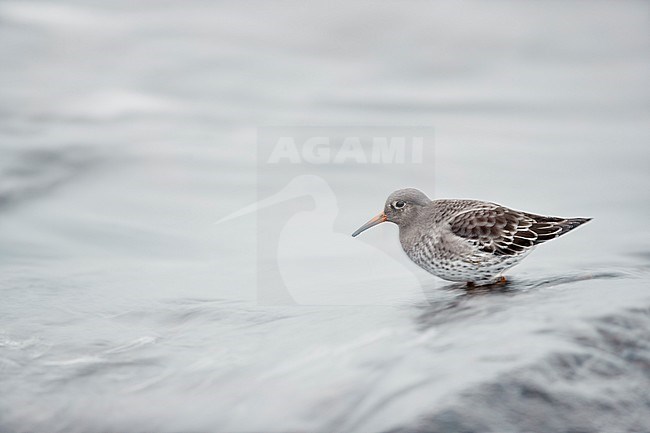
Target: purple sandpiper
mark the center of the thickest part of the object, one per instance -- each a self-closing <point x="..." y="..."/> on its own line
<point x="466" y="240"/>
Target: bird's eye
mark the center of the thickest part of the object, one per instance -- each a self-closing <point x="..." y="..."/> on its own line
<point x="399" y="204"/>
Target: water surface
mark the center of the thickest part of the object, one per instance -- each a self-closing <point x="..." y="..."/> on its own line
<point x="127" y="130"/>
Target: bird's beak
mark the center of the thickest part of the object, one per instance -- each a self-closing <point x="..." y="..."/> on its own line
<point x="373" y="222"/>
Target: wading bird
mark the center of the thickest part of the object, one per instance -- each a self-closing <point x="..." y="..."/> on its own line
<point x="466" y="240"/>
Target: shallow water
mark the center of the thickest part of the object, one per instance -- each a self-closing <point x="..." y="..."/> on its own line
<point x="127" y="131"/>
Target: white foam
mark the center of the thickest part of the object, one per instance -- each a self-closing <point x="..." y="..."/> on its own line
<point x="113" y="103"/>
<point x="49" y="14"/>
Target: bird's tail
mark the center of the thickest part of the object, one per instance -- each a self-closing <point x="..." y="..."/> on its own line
<point x="571" y="223"/>
<point x="548" y="228"/>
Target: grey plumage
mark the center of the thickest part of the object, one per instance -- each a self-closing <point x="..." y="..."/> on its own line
<point x="467" y="240"/>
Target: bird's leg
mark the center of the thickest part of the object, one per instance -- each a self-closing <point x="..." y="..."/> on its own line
<point x="500" y="282"/>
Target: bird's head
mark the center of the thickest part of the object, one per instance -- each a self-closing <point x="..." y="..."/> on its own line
<point x="401" y="206"/>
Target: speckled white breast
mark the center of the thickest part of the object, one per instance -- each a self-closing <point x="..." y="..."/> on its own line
<point x="446" y="263"/>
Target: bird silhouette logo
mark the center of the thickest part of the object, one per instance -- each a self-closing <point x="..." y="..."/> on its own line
<point x="316" y="264"/>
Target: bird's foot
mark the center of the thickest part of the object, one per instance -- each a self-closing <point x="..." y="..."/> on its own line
<point x="500" y="282"/>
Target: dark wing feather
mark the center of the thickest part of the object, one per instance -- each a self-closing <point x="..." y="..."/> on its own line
<point x="503" y="231"/>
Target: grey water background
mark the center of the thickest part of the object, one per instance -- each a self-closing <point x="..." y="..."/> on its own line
<point x="128" y="128"/>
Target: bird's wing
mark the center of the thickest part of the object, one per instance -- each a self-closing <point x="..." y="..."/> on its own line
<point x="502" y="231"/>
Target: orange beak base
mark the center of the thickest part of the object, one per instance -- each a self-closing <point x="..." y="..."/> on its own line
<point x="373" y="222"/>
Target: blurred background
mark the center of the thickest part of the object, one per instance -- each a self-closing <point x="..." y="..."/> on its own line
<point x="128" y="128"/>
